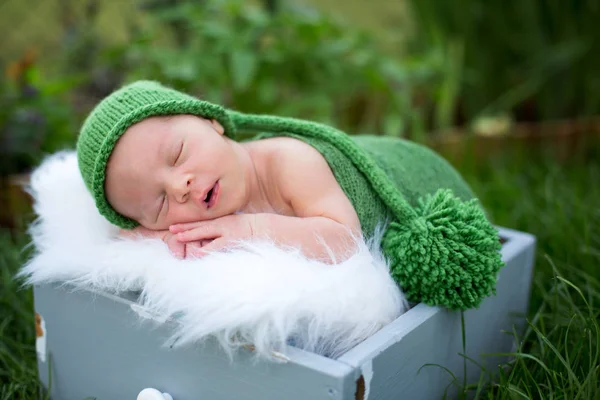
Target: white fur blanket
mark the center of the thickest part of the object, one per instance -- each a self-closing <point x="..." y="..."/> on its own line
<point x="255" y="294"/>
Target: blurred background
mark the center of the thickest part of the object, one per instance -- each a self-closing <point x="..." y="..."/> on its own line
<point x="507" y="90"/>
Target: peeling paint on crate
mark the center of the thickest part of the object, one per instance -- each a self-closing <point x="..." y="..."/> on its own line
<point x="360" y="388"/>
<point x="40" y="337"/>
<point x="367" y="375"/>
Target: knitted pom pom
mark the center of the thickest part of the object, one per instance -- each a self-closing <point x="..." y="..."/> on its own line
<point x="448" y="255"/>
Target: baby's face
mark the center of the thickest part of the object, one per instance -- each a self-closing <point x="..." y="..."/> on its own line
<point x="168" y="170"/>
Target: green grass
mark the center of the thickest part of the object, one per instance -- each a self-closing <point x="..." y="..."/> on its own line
<point x="18" y="369"/>
<point x="559" y="354"/>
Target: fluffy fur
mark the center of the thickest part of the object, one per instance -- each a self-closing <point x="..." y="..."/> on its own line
<point x="254" y="294"/>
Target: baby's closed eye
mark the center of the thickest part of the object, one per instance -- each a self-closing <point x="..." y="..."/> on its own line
<point x="177" y="154"/>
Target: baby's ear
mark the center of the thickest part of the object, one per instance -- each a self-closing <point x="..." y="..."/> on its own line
<point x="217" y="126"/>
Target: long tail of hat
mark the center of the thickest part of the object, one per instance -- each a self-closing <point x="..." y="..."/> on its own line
<point x="365" y="164"/>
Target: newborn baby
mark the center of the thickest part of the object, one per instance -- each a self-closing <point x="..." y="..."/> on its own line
<point x="186" y="182"/>
<point x="161" y="163"/>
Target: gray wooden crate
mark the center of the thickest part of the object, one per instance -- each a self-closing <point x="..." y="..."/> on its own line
<point x="95" y="346"/>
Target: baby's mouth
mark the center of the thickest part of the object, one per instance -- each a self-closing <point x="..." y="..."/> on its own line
<point x="209" y="195"/>
<point x="212" y="195"/>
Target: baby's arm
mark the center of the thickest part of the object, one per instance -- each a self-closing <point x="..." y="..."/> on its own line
<point x="319" y="237"/>
<point x="315" y="236"/>
<point x="325" y="218"/>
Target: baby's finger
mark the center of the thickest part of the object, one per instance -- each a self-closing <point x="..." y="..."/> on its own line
<point x="213" y="223"/>
<point x="186" y="226"/>
<point x="215" y="245"/>
<point x="202" y="232"/>
<point x="194" y="250"/>
<point x="176" y="248"/>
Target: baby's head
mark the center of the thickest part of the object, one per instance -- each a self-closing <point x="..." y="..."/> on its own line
<point x="154" y="156"/>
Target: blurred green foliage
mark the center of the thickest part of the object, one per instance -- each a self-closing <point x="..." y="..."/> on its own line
<point x="534" y="60"/>
<point x="487" y="62"/>
<point x="35" y="117"/>
<point x="294" y="62"/>
<point x="290" y="61"/>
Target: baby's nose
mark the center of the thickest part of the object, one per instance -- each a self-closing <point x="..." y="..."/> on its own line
<point x="182" y="190"/>
<point x="185" y="191"/>
<point x="193" y="189"/>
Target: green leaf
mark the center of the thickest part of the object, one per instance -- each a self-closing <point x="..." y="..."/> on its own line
<point x="242" y="68"/>
<point x="394" y="125"/>
<point x="183" y="70"/>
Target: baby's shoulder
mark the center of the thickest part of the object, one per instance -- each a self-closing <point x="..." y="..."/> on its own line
<point x="287" y="152"/>
<point x="295" y="165"/>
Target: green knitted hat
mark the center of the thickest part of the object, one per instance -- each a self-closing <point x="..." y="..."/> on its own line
<point x="111" y="118"/>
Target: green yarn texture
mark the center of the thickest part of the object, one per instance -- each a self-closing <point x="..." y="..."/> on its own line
<point x="441" y="248"/>
<point x="448" y="255"/>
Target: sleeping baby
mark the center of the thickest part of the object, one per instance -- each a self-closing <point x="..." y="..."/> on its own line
<point x="160" y="163"/>
<point x="182" y="179"/>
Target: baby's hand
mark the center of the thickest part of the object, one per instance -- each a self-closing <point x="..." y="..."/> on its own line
<point x="177" y="248"/>
<point x="217" y="233"/>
